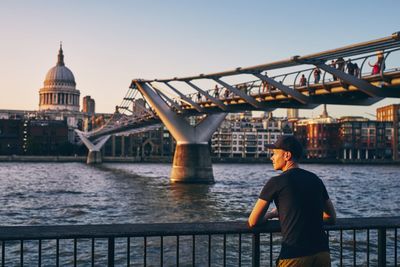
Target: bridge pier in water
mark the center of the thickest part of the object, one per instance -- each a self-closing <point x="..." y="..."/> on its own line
<point x="94" y="147"/>
<point x="192" y="158"/>
<point x="192" y="164"/>
<point x="94" y="157"/>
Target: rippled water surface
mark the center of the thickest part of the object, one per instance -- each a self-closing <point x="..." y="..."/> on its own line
<point x="74" y="193"/>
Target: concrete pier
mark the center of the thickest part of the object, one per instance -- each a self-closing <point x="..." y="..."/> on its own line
<point x="94" y="157"/>
<point x="192" y="159"/>
<point x="192" y="164"/>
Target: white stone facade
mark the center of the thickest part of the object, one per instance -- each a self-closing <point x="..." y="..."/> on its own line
<point x="59" y="92"/>
<point x="245" y="136"/>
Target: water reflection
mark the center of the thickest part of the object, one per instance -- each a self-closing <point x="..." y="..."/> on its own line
<point x="189" y="193"/>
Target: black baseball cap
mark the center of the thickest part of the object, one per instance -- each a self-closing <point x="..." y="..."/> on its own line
<point x="288" y="143"/>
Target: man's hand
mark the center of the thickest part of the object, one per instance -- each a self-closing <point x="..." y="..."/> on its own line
<point x="329" y="214"/>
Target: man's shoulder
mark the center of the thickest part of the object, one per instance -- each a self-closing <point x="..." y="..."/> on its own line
<point x="273" y="179"/>
<point x="303" y="173"/>
<point x="293" y="173"/>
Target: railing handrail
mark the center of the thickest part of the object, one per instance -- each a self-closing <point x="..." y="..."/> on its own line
<point x="346" y="51"/>
<point x="174" y="229"/>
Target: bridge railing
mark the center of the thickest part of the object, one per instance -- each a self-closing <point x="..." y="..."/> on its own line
<point x="291" y="79"/>
<point x="353" y="242"/>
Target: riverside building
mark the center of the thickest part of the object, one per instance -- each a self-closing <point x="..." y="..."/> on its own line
<point x="363" y="139"/>
<point x="348" y="138"/>
<point x="244" y="136"/>
<point x="52" y="125"/>
<point x="319" y="136"/>
<point x="59" y="99"/>
<point x="391" y="113"/>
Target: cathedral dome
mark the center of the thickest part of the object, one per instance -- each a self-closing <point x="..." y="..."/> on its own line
<point x="60" y="74"/>
<point x="59" y="91"/>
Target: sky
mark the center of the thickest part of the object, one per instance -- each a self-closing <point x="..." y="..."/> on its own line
<point x="108" y="43"/>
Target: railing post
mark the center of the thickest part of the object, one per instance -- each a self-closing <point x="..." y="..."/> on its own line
<point x="111" y="251"/>
<point x="256" y="250"/>
<point x="381" y="247"/>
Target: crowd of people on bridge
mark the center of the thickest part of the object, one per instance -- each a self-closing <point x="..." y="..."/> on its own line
<point x="339" y="64"/>
<point x="347" y="66"/>
<point x="342" y="65"/>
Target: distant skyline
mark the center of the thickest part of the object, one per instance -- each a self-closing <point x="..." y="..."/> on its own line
<point x="108" y="43"/>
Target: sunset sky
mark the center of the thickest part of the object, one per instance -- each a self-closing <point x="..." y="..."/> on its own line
<point x="108" y="43"/>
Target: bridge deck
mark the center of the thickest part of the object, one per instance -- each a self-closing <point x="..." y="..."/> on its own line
<point x="337" y="91"/>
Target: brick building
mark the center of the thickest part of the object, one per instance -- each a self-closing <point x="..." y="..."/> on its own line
<point x="46" y="137"/>
<point x="319" y="137"/>
<point x="391" y="113"/>
<point x="364" y="139"/>
<point x="11" y="136"/>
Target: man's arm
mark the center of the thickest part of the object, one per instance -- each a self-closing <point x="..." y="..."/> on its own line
<point x="329" y="214"/>
<point x="258" y="212"/>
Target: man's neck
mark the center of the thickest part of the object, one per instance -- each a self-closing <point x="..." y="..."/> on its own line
<point x="290" y="165"/>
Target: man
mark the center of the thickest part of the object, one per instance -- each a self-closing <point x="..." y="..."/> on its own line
<point x="302" y="203"/>
<point x="350" y="67"/>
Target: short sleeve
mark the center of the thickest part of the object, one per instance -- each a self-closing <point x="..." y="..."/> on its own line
<point x="269" y="190"/>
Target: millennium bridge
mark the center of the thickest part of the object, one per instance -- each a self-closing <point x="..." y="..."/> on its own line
<point x="287" y="83"/>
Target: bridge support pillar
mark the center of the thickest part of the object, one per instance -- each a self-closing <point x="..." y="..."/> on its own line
<point x="94" y="157"/>
<point x="192" y="164"/>
<point x="192" y="159"/>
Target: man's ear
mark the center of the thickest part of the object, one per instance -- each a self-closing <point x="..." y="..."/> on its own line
<point x="288" y="155"/>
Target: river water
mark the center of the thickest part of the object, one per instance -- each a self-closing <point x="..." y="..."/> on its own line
<point x="75" y="193"/>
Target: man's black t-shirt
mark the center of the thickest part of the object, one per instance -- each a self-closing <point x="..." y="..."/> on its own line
<point x="299" y="196"/>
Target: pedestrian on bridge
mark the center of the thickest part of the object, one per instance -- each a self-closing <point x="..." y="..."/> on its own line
<point x="340" y="63"/>
<point x="378" y="65"/>
<point x="226" y="93"/>
<point x="317" y="75"/>
<point x="216" y="91"/>
<point x="333" y="65"/>
<point x="303" y="80"/>
<point x="350" y="68"/>
<point x="302" y="204"/>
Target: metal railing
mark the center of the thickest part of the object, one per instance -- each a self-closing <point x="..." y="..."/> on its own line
<point x="353" y="242"/>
